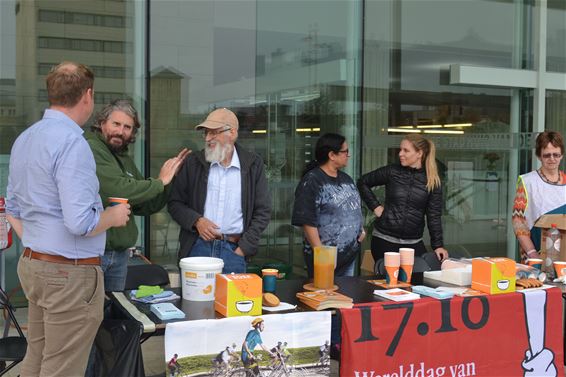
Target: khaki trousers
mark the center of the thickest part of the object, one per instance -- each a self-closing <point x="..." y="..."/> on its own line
<point x="64" y="313"/>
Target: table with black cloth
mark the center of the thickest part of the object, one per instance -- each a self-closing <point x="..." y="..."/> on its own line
<point x="359" y="289"/>
<point x="484" y="335"/>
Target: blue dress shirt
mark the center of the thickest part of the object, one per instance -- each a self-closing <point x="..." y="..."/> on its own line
<point x="223" y="205"/>
<point x="53" y="189"/>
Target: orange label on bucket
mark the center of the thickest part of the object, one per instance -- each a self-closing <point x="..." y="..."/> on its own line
<point x="191" y="275"/>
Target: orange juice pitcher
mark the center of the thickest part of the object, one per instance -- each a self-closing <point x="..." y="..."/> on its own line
<point x="324" y="264"/>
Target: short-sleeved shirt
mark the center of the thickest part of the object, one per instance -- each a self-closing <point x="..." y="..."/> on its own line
<point x="333" y="206"/>
<point x="252" y="340"/>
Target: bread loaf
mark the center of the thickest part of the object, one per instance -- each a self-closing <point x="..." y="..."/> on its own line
<point x="269" y="299"/>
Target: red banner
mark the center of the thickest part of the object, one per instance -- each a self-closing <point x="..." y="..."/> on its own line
<point x="516" y="334"/>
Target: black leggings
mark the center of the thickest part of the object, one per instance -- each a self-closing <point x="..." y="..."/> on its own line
<point x="379" y="246"/>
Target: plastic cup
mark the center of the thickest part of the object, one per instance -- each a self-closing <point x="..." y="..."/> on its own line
<point x="560" y="268"/>
<point x="407" y="257"/>
<point x="392" y="261"/>
<point x="115" y="201"/>
<point x="535" y="262"/>
<point x="324" y="265"/>
<point x="269" y="279"/>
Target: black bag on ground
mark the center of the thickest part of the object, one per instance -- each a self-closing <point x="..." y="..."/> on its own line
<point x="118" y="349"/>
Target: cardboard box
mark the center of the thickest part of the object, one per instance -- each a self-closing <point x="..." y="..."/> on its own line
<point x="367" y="266"/>
<point x="545" y="222"/>
<point x="238" y="294"/>
<point x="456" y="276"/>
<point x="493" y="275"/>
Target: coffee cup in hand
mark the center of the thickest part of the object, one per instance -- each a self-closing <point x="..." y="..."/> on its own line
<point x="115" y="201"/>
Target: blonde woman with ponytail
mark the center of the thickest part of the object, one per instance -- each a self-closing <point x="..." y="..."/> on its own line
<point x="413" y="193"/>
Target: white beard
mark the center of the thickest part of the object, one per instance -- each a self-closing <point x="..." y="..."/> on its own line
<point x="218" y="153"/>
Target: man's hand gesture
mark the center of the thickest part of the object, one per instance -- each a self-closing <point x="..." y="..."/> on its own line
<point x="172" y="166"/>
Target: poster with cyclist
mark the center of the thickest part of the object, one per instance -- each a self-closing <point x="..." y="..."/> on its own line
<point x="293" y="344"/>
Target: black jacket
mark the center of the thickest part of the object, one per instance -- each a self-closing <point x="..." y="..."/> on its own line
<point x="407" y="202"/>
<point x="188" y="196"/>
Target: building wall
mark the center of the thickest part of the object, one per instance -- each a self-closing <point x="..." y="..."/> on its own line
<point x="293" y="70"/>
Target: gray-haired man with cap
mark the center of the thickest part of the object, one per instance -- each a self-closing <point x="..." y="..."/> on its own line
<point x="220" y="197"/>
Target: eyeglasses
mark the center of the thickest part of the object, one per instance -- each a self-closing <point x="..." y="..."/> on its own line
<point x="556" y="156"/>
<point x="347" y="151"/>
<point x="214" y="133"/>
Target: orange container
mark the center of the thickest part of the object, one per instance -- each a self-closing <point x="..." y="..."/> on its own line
<point x="493" y="275"/>
<point x="324" y="264"/>
<point x="238" y="294"/>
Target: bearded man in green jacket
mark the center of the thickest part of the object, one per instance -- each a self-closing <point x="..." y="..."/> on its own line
<point x="115" y="128"/>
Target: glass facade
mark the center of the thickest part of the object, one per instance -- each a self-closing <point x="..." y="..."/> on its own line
<point x="37" y="34"/>
<point x="556" y="34"/>
<point x="460" y="71"/>
<point x="407" y="88"/>
<point x="289" y="70"/>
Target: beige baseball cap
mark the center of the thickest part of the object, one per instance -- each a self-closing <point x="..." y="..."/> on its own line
<point x="219" y="118"/>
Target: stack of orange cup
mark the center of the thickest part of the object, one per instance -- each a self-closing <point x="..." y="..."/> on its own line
<point x="407" y="262"/>
<point x="392" y="261"/>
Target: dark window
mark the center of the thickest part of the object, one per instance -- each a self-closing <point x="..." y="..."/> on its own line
<point x="51" y="16"/>
<point x="84" y="45"/>
<point x="99" y="71"/>
<point x="99" y="97"/>
<point x="62" y="17"/>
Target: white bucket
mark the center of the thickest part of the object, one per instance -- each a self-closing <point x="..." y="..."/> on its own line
<point x="198" y="277"/>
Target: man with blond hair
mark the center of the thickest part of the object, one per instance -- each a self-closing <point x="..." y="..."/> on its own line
<point x="54" y="207"/>
<point x="220" y="197"/>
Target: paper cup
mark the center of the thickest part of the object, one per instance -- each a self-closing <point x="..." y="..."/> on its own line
<point x="115" y="201"/>
<point x="407" y="261"/>
<point x="535" y="262"/>
<point x="392" y="261"/>
<point x="269" y="279"/>
<point x="560" y="268"/>
<point x="407" y="255"/>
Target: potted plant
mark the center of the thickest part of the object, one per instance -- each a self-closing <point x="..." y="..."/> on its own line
<point x="491" y="158"/>
<point x="491" y="174"/>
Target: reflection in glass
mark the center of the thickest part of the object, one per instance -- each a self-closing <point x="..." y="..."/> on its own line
<point x="37" y="35"/>
<point x="472" y="127"/>
<point x="286" y="70"/>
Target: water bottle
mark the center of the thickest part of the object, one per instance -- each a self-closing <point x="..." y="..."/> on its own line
<point x="552" y="250"/>
<point x="5" y="229"/>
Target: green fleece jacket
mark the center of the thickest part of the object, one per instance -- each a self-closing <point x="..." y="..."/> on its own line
<point x="119" y="177"/>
